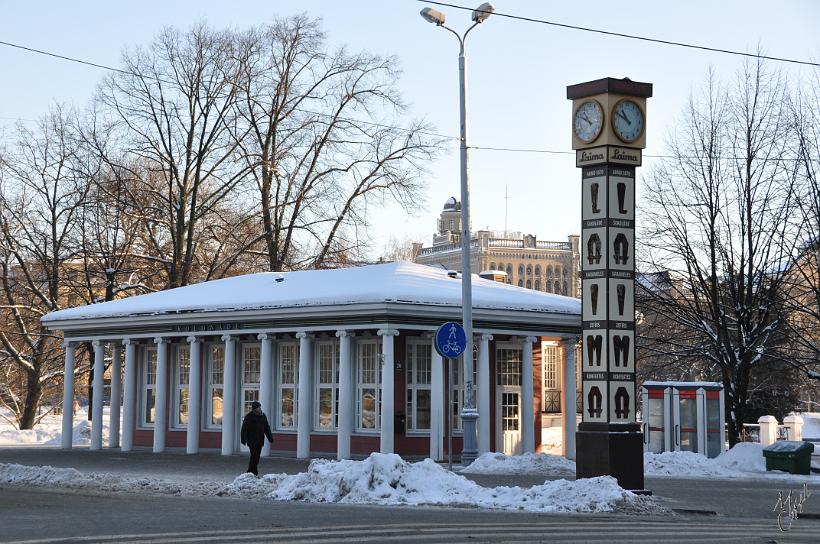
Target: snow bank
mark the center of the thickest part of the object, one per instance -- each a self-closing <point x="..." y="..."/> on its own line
<point x="528" y="463"/>
<point x="49" y="431"/>
<point x="387" y="479"/>
<point x="744" y="461"/>
<point x="552" y="438"/>
<point x="383" y="479"/>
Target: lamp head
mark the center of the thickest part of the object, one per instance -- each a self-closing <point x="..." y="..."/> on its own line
<point x="433" y="16"/>
<point x="483" y="11"/>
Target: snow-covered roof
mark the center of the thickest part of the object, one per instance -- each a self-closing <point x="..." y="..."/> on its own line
<point x="397" y="282"/>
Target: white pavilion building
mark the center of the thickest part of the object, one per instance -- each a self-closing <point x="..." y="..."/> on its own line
<point x="341" y="360"/>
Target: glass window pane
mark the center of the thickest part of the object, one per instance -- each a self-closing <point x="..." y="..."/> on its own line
<point x="216" y="406"/>
<point x="182" y="416"/>
<point x="250" y="364"/>
<point x="286" y="411"/>
<point x="183" y="364"/>
<point x="368" y="403"/>
<point x="325" y="408"/>
<point x="423" y="409"/>
<point x="150" y="402"/>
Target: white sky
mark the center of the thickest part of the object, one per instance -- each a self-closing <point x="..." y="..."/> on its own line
<point x="517" y="76"/>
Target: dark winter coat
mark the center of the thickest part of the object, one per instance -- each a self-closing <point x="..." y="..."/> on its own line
<point x="255" y="428"/>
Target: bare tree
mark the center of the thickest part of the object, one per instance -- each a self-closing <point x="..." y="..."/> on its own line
<point x="320" y="135"/>
<point x="41" y="201"/>
<point x="719" y="219"/>
<point x="174" y="103"/>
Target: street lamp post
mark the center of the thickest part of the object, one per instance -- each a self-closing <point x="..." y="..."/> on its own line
<point x="469" y="415"/>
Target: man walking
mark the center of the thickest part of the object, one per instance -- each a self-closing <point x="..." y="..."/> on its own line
<point x="254" y="430"/>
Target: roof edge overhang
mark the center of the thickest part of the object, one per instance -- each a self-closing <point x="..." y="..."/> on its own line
<point x="332" y="315"/>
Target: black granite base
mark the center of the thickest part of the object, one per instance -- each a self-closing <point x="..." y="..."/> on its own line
<point x="611" y="449"/>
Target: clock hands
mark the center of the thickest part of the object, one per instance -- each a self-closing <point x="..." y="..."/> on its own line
<point x="624" y="117"/>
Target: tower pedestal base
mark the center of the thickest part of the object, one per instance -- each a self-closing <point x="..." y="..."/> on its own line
<point x="611" y="449"/>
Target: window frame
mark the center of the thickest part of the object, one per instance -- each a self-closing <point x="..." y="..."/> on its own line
<point x="208" y="419"/>
<point x="179" y="385"/>
<point x="319" y="385"/>
<point x="413" y="386"/>
<point x="552" y="355"/>
<point x="291" y="385"/>
<point x="248" y="386"/>
<point x="145" y="386"/>
<point x="361" y="385"/>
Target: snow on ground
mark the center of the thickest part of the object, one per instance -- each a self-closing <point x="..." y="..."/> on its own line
<point x="528" y="463"/>
<point x="384" y="479"/>
<point x="49" y="431"/>
<point x="744" y="461"/>
<point x="552" y="439"/>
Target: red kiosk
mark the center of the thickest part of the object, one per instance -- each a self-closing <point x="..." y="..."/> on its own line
<point x="684" y="416"/>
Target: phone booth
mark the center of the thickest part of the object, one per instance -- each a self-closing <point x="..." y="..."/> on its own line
<point x="684" y="416"/>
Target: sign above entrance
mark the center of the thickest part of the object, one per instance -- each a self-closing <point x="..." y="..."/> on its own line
<point x="451" y="340"/>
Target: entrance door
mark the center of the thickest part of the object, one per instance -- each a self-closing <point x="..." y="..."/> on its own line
<point x="509" y="419"/>
<point x="249" y="382"/>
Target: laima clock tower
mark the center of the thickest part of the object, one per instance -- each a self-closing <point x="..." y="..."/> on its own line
<point x="608" y="136"/>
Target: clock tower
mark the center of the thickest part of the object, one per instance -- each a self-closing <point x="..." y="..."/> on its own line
<point x="608" y="136"/>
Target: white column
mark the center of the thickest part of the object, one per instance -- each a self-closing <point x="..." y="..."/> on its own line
<point x="388" y="389"/>
<point x="484" y="385"/>
<point x="437" y="406"/>
<point x="794" y="424"/>
<point x="129" y="395"/>
<point x="527" y="400"/>
<point x="266" y="381"/>
<point x="161" y="406"/>
<point x="116" y="391"/>
<point x="97" y="403"/>
<point x="768" y="430"/>
<point x="68" y="397"/>
<point x="194" y="395"/>
<point x="346" y="386"/>
<point x="229" y="397"/>
<point x="568" y="397"/>
<point x="304" y="414"/>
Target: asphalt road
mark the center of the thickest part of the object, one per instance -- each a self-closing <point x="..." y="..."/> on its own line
<point x="708" y="511"/>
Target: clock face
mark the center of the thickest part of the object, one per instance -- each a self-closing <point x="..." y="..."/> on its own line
<point x="588" y="121"/>
<point x="627" y="120"/>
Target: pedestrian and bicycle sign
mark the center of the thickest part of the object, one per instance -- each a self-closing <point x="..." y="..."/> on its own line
<point x="451" y="340"/>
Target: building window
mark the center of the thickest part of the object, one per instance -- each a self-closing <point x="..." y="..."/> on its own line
<point x="551" y="364"/>
<point x="566" y="288"/>
<point x="509" y="274"/>
<point x="537" y="285"/>
<point x="508" y="361"/>
<point x="492" y="266"/>
<point x="182" y="373"/>
<point x="288" y="378"/>
<point x="251" y="368"/>
<point x="452" y="225"/>
<point x="457" y="391"/>
<point x="538" y="270"/>
<point x="419" y="372"/>
<point x="556" y="288"/>
<point x="368" y="380"/>
<point x="520" y="283"/>
<point x="529" y="270"/>
<point x="216" y="380"/>
<point x="529" y="284"/>
<point x="327" y="386"/>
<point x="149" y="388"/>
<point x="520" y="270"/>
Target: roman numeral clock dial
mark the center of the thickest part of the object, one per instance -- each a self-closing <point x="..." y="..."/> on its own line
<point x="627" y="120"/>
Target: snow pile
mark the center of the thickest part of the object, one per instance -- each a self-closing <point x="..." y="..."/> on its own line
<point x="49" y="431"/>
<point x="552" y="439"/>
<point x="383" y="479"/>
<point x="528" y="463"/>
<point x="744" y="461"/>
<point x="387" y="479"/>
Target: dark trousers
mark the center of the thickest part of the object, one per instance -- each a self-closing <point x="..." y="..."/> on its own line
<point x="256" y="451"/>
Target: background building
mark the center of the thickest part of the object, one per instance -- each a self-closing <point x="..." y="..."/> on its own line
<point x="547" y="266"/>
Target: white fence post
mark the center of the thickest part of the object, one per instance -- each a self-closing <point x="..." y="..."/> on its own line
<point x="794" y="424"/>
<point x="768" y="430"/>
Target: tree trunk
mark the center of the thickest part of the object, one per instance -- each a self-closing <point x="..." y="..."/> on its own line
<point x="34" y="392"/>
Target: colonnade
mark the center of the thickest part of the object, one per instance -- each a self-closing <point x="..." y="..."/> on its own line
<point x="305" y="403"/>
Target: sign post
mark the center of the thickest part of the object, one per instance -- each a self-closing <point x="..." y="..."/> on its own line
<point x="450" y="342"/>
<point x="609" y="123"/>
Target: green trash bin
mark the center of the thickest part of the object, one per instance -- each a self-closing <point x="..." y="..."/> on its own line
<point x="790" y="456"/>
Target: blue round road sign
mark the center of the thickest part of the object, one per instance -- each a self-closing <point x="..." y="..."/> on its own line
<point x="451" y="341"/>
